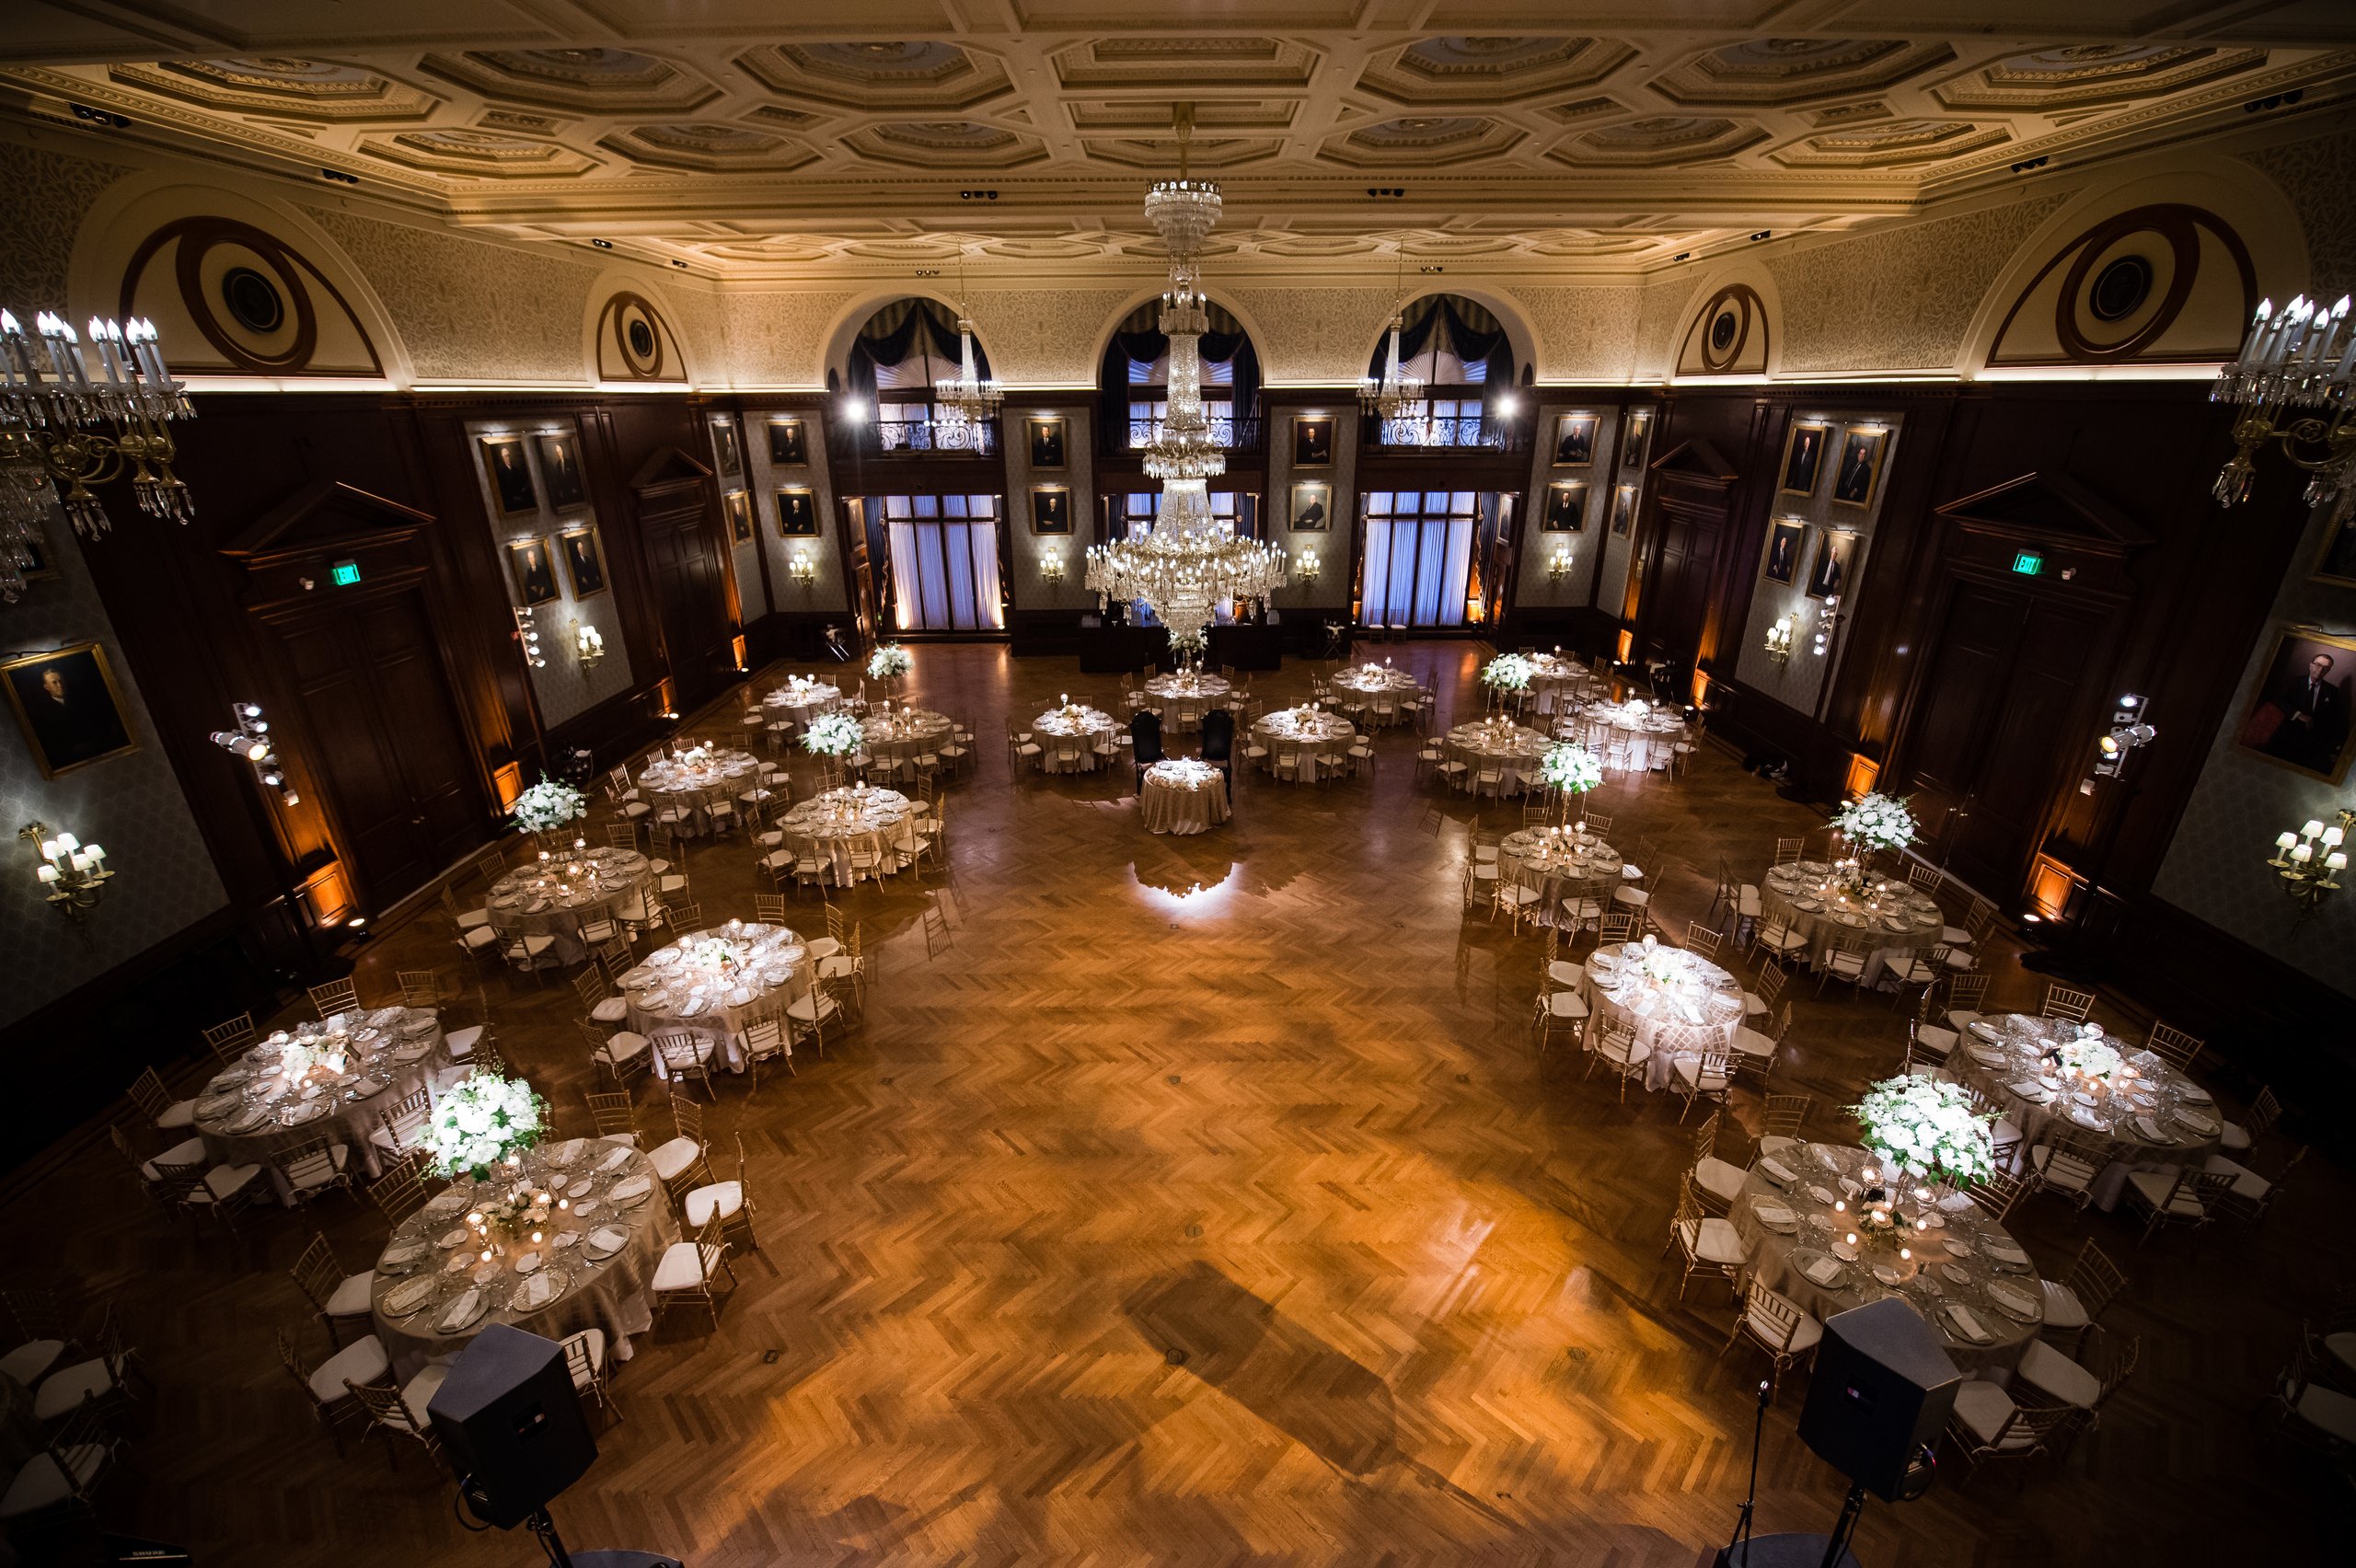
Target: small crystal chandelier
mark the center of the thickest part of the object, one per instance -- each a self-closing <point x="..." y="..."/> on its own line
<point x="1186" y="562"/>
<point x="2294" y="382"/>
<point x="969" y="398"/>
<point x="1401" y="392"/>
<point x="54" y="400"/>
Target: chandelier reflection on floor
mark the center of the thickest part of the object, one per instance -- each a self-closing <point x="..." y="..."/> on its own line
<point x="1186" y="562"/>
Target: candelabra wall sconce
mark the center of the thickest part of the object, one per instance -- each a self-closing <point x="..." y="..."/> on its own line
<point x="1307" y="566"/>
<point x="2130" y="731"/>
<point x="1051" y="567"/>
<point x="588" y="644"/>
<point x="250" y="741"/>
<point x="2312" y="859"/>
<point x="1779" y="639"/>
<point x="528" y="637"/>
<point x="1827" y="620"/>
<point x="72" y="874"/>
<point x="802" y="569"/>
<point x="2295" y="384"/>
<point x="1559" y="565"/>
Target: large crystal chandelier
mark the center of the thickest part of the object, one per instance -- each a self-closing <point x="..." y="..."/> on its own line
<point x="69" y="421"/>
<point x="1400" y="393"/>
<point x="968" y="399"/>
<point x="1186" y="562"/>
<point x="2296" y="384"/>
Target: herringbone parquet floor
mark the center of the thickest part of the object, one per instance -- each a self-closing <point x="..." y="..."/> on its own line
<point x="1205" y="1202"/>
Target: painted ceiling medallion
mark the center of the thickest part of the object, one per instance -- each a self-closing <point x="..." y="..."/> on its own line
<point x="598" y="81"/>
<point x="925" y="77"/>
<point x="308" y="89"/>
<point x="2080" y="74"/>
<point x="1487" y="70"/>
<point x="1661" y="141"/>
<point x="1796" y="70"/>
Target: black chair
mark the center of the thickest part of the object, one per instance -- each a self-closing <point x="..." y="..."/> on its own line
<point x="1218" y="743"/>
<point x="1145" y="743"/>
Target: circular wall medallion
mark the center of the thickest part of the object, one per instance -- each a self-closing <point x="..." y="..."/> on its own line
<point x="636" y="339"/>
<point x="2124" y="284"/>
<point x="641" y="340"/>
<point x="253" y="300"/>
<point x="1725" y="328"/>
<point x="1733" y="330"/>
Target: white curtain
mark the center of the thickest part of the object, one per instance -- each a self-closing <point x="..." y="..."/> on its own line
<point x="944" y="569"/>
<point x="1418" y="563"/>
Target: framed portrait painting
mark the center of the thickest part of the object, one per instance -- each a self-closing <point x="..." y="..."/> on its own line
<point x="511" y="474"/>
<point x="1046" y="442"/>
<point x="1312" y="441"/>
<point x="1575" y="441"/>
<point x="738" y="505"/>
<point x="1312" y="507"/>
<point x="1051" y="510"/>
<point x="2336" y="564"/>
<point x="1640" y="432"/>
<point x="1835" y="549"/>
<point x="584" y="562"/>
<point x="1803" y="456"/>
<point x="1859" y="469"/>
<point x="797" y="514"/>
<point x="68" y="708"/>
<point x="534" y="571"/>
<point x="2298" y="716"/>
<point x="560" y="469"/>
<point x="1623" y="510"/>
<point x="789" y="443"/>
<point x="1786" y="539"/>
<point x="724" y="448"/>
<point x="1566" y="507"/>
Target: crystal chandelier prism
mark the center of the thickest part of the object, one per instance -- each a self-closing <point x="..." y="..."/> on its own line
<point x="1184" y="564"/>
<point x="969" y="398"/>
<point x="2295" y="384"/>
<point x="1400" y="393"/>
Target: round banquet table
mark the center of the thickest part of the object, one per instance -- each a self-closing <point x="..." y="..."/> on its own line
<point x="390" y="1053"/>
<point x="802" y="700"/>
<point x="1554" y="678"/>
<point x="680" y="784"/>
<point x="613" y="1293"/>
<point x="1937" y="1278"/>
<point x="1385" y="688"/>
<point x="1075" y="726"/>
<point x="831" y="824"/>
<point x="2157" y="1120"/>
<point x="895" y="738"/>
<point x="1501" y="744"/>
<point x="1897" y="920"/>
<point x="1187" y="696"/>
<point x="1183" y="796"/>
<point x="682" y="987"/>
<point x="1699" y="1010"/>
<point x="1567" y="862"/>
<point x="1633" y="736"/>
<point x="558" y="895"/>
<point x="1307" y="735"/>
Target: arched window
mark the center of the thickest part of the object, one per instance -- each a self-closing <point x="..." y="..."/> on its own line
<point x="1459" y="350"/>
<point x="1133" y="384"/>
<point x="903" y="352"/>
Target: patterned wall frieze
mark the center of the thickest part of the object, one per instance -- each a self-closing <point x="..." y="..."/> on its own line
<point x="1583" y="334"/>
<point x="2319" y="177"/>
<point x="50" y="192"/>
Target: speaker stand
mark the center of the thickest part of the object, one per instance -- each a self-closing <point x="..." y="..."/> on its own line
<point x="1728" y="1558"/>
<point x="542" y="1528"/>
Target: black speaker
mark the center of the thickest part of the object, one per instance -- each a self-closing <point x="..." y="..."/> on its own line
<point x="1882" y="1390"/>
<point x="511" y="1424"/>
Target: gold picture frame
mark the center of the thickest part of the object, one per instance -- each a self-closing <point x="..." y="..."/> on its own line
<point x="68" y="708"/>
<point x="1856" y="472"/>
<point x="2291" y="724"/>
<point x="1803" y="464"/>
<point x="584" y="561"/>
<point x="533" y="566"/>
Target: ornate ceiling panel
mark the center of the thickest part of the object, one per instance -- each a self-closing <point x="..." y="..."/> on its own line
<point x="738" y="139"/>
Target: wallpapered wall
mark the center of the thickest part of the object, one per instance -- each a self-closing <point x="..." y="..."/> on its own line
<point x="1534" y="588"/>
<point x="825" y="590"/>
<point x="1332" y="544"/>
<point x="131" y="803"/>
<point x="1032" y="592"/>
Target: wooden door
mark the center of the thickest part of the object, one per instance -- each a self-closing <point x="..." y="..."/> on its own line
<point x="1676" y="604"/>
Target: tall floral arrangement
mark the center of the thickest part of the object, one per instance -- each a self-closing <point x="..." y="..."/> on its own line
<point x="834" y="735"/>
<point x="549" y="804"/>
<point x="1507" y="671"/>
<point x="1875" y="821"/>
<point x="1571" y="769"/>
<point x="482" y="1121"/>
<point x="888" y="661"/>
<point x="1926" y="1126"/>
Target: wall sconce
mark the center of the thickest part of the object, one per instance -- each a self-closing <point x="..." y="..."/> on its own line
<point x="250" y="741"/>
<point x="1779" y="639"/>
<point x="72" y="874"/>
<point x="1307" y="566"/>
<point x="529" y="635"/>
<point x="802" y="569"/>
<point x="1051" y="567"/>
<point x="589" y="643"/>
<point x="2307" y="876"/>
<point x="1559" y="566"/>
<point x="1826" y="620"/>
<point x="2130" y="731"/>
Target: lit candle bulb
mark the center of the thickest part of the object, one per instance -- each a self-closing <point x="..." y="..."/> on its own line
<point x="1851" y="1238"/>
<point x="486" y="1254"/>
<point x="1905" y="1254"/>
<point x="535" y="1235"/>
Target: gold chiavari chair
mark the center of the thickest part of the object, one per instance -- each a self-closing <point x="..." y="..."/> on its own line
<point x="1716" y="1183"/>
<point x="328" y="1384"/>
<point x="156" y="1102"/>
<point x="584" y="1361"/>
<point x="401" y="1191"/>
<point x="230" y="1039"/>
<point x="1708" y="1243"/>
<point x="685" y="1275"/>
<point x="623" y="1056"/>
<point x="769" y="908"/>
<point x="1780" y="1119"/>
<point x="2079" y="1297"/>
<point x="1616" y="1045"/>
<point x="335" y="996"/>
<point x="337" y="1295"/>
<point x="2174" y="1047"/>
<point x="764" y="1040"/>
<point x="2062" y="1002"/>
<point x="1707" y="1075"/>
<point x="613" y="1115"/>
<point x="420" y="988"/>
<point x="684" y="1053"/>
<point x="729" y="1202"/>
<point x="315" y="1167"/>
<point x="1777" y="1326"/>
<point x="391" y="1414"/>
<point x="1986" y="1426"/>
<point x="1704" y="940"/>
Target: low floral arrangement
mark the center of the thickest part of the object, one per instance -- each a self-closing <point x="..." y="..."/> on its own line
<point x="1571" y="768"/>
<point x="1875" y="821"/>
<point x="713" y="953"/>
<point x="1926" y="1126"/>
<point x="696" y="756"/>
<point x="2090" y="1054"/>
<point x="888" y="660"/>
<point x="1662" y="966"/>
<point x="482" y="1122"/>
<point x="834" y="735"/>
<point x="1507" y="671"/>
<point x="547" y="805"/>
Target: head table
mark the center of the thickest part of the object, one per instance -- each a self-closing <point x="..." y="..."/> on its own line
<point x="1181" y="795"/>
<point x="1068" y="736"/>
<point x="334" y="1080"/>
<point x="1966" y="1277"/>
<point x="1678" y="1003"/>
<point x="1305" y="735"/>
<point x="563" y="891"/>
<point x="602" y="1230"/>
<point x="1565" y="863"/>
<point x="1892" y="919"/>
<point x="2052" y="1075"/>
<point x="678" y="786"/>
<point x="715" y="983"/>
<point x="1501" y="746"/>
<point x="803" y="699"/>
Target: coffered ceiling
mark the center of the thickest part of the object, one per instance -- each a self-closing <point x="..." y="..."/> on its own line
<point x="750" y="138"/>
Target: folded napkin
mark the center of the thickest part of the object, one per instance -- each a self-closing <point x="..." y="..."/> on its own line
<point x="636" y="1187"/>
<point x="2004" y="1252"/>
<point x="2030" y="1088"/>
<point x="462" y="1312"/>
<point x="1772" y="1214"/>
<point x="2086" y="1118"/>
<point x="2195" y="1093"/>
<point x="1824" y="1271"/>
<point x="401" y="1256"/>
<point x="400" y="1301"/>
<point x="2014" y="1299"/>
<point x="1966" y="1324"/>
<point x="1775" y="1172"/>
<point x="534" y="1293"/>
<point x="2151" y="1130"/>
<point x="609" y="1240"/>
<point x="615" y="1160"/>
<point x="1955" y="1274"/>
<point x="1987" y="1055"/>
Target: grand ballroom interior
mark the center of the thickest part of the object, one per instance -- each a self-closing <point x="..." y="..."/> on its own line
<point x="1326" y="781"/>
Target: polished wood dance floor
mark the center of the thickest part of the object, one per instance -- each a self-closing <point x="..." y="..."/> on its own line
<point x="1204" y="1201"/>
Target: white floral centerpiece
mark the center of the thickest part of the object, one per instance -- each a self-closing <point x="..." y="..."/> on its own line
<point x="1571" y="768"/>
<point x="834" y="735"/>
<point x="2091" y="1056"/>
<point x="1875" y="821"/>
<point x="1927" y="1127"/>
<point x="888" y="662"/>
<point x="1661" y="965"/>
<point x="1507" y="671"/>
<point x="483" y="1122"/>
<point x="548" y="805"/>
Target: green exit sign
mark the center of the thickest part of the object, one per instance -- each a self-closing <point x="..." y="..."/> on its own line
<point x="2028" y="563"/>
<point x="347" y="572"/>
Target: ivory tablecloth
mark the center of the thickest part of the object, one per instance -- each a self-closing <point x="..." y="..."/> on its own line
<point x="1182" y="797"/>
<point x="673" y="989"/>
<point x="2189" y="1125"/>
<point x="672" y="782"/>
<point x="1898" y="920"/>
<point x="615" y="1295"/>
<point x="395" y="1051"/>
<point x="894" y="740"/>
<point x="1384" y="690"/>
<point x="551" y="898"/>
<point x="1554" y="681"/>
<point x="1186" y="697"/>
<point x="1501" y="744"/>
<point x="1060" y="729"/>
<point x="1293" y="731"/>
<point x="833" y="824"/>
<point x="1778" y="1258"/>
<point x="1567" y="865"/>
<point x="1701" y="1011"/>
<point x="803" y="703"/>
